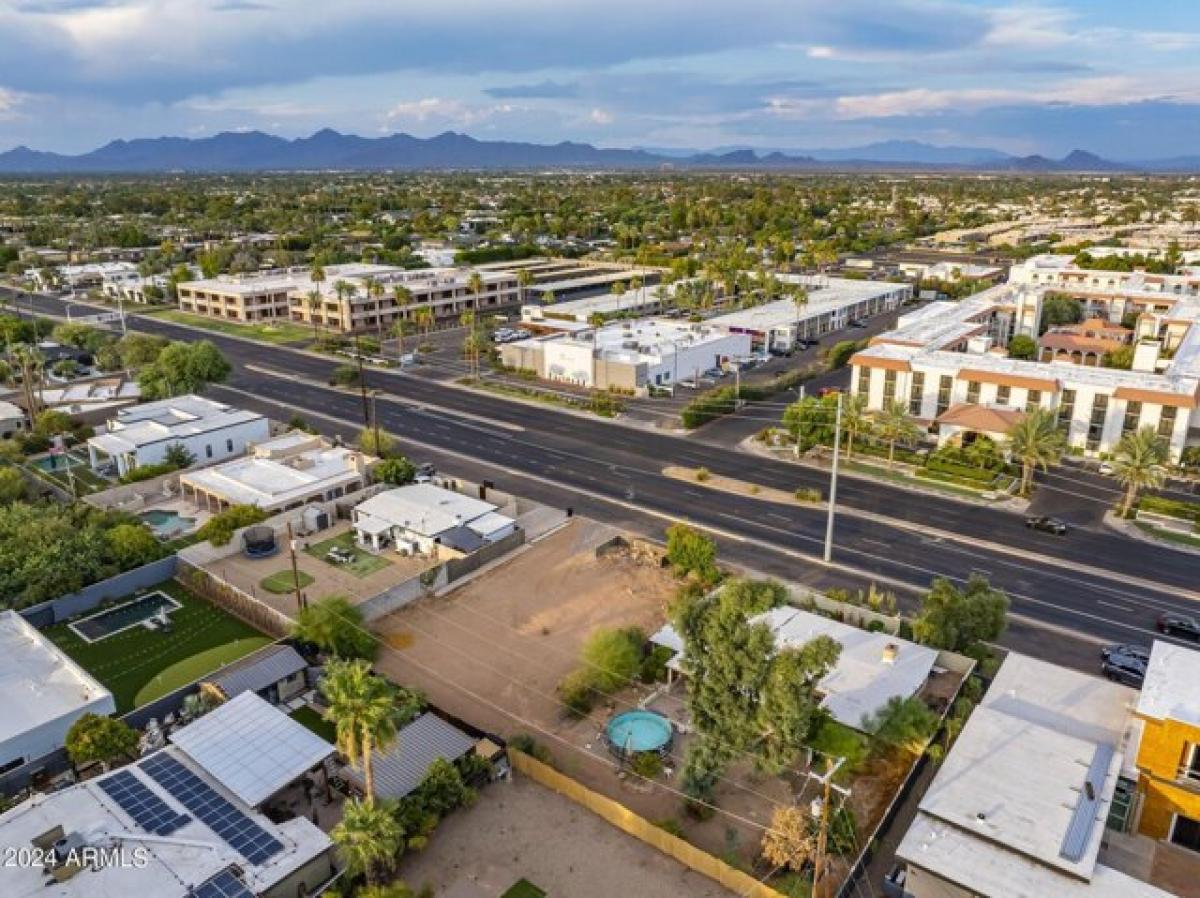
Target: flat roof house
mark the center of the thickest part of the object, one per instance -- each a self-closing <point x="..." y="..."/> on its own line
<point x="188" y="819"/>
<point x="12" y="419"/>
<point x="420" y="518"/>
<point x="44" y="692"/>
<point x="210" y="430"/>
<point x="280" y="474"/>
<point x="1031" y="800"/>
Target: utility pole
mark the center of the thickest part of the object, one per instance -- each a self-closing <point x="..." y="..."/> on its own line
<point x="837" y="443"/>
<point x="295" y="569"/>
<point x="820" y="884"/>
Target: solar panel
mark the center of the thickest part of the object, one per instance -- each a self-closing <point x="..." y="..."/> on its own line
<point x="225" y="884"/>
<point x="241" y="833"/>
<point x="148" y="811"/>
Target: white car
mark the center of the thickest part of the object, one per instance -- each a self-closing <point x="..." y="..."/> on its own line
<point x="1107" y="469"/>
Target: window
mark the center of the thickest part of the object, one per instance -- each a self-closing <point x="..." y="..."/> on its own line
<point x="1033" y="399"/>
<point x="1066" y="408"/>
<point x="1166" y="421"/>
<point x="973" y="387"/>
<point x="1133" y="411"/>
<point x="1096" y="423"/>
<point x="208" y="451"/>
<point x="1185" y="832"/>
<point x="1003" y="394"/>
<point x="916" y="393"/>
<point x="889" y="387"/>
<point x="945" y="388"/>
<point x="229" y="445"/>
<point x="864" y="382"/>
<point x="1189" y="767"/>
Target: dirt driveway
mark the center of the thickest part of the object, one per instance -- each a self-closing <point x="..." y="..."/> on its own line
<point x="521" y="829"/>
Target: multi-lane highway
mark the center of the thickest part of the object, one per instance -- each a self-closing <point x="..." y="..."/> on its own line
<point x="1092" y="583"/>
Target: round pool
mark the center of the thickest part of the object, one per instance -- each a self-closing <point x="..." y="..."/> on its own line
<point x="636" y="731"/>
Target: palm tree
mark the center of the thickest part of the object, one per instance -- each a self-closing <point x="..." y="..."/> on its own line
<point x="475" y="286"/>
<point x="1036" y="442"/>
<point x="314" y="305"/>
<point x="32" y="364"/>
<point x="800" y="299"/>
<point x="344" y="290"/>
<point x="894" y="424"/>
<point x="368" y="838"/>
<point x="363" y="710"/>
<point x="470" y="344"/>
<point x="424" y="320"/>
<point x="854" y="420"/>
<point x="1140" y="463"/>
<point x="317" y="275"/>
<point x="524" y="281"/>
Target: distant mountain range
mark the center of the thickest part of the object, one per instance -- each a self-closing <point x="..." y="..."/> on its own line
<point x="329" y="150"/>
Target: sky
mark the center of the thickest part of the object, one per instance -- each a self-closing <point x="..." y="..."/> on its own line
<point x="1117" y="78"/>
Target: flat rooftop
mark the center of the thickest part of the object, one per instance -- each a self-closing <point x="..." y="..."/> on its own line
<point x="1171" y="689"/>
<point x="825" y="295"/>
<point x="182" y="416"/>
<point x="283" y="280"/>
<point x="39" y="683"/>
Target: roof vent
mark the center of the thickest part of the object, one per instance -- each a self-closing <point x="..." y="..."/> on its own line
<point x="981" y="818"/>
<point x="890" y="651"/>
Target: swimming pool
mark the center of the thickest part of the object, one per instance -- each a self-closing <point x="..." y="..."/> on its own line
<point x="121" y="617"/>
<point x="636" y="731"/>
<point x="166" y="524"/>
<point x="60" y="462"/>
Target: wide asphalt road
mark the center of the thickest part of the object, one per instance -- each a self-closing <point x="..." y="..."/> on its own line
<point x="1099" y="584"/>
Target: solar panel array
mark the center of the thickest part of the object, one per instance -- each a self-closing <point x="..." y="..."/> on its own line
<point x="148" y="811"/>
<point x="223" y="885"/>
<point x="241" y="833"/>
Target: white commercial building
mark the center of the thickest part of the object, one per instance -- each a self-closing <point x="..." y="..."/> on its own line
<point x="831" y="304"/>
<point x="630" y="356"/>
<point x="186" y="821"/>
<point x="949" y="359"/>
<point x="141" y="434"/>
<point x="279" y="475"/>
<point x="418" y="518"/>
<point x="44" y="692"/>
<point x="1018" y="808"/>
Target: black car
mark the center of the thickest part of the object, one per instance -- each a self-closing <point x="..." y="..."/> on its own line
<point x="1126" y="650"/>
<point x="1127" y="671"/>
<point x="859" y="324"/>
<point x="1179" y="625"/>
<point x="1046" y="524"/>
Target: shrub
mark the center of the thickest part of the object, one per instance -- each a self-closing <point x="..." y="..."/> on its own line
<point x="526" y="744"/>
<point x="1175" y="508"/>
<point x="149" y="472"/>
<point x="646" y="764"/>
<point x="703" y="475"/>
<point x="808" y="494"/>
<point x="670" y="825"/>
<point x="654" y="665"/>
<point x="219" y="529"/>
<point x="344" y="376"/>
<point x="613" y="658"/>
<point x="692" y="554"/>
<point x="577" y="693"/>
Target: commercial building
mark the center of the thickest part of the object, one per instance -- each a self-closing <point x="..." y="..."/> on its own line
<point x="644" y="300"/>
<point x="871" y="670"/>
<point x="44" y="693"/>
<point x="420" y="518"/>
<point x="279" y="475"/>
<point x="141" y="434"/>
<point x="195" y="819"/>
<point x="630" y="356"/>
<point x="831" y="304"/>
<point x="262" y="296"/>
<point x="951" y="354"/>
<point x="89" y="276"/>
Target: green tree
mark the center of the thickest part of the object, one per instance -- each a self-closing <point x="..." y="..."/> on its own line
<point x="903" y="724"/>
<point x="1119" y="358"/>
<point x="811" y="421"/>
<point x="368" y="839"/>
<point x="139" y="350"/>
<point x="1036" y="442"/>
<point x="855" y="420"/>
<point x="132" y="545"/>
<point x="219" y="529"/>
<point x="93" y="738"/>
<point x="179" y="455"/>
<point x="1060" y="310"/>
<point x="183" y="368"/>
<point x="1022" y="346"/>
<point x="1140" y="463"/>
<point x="959" y="619"/>
<point x="396" y="470"/>
<point x="380" y="445"/>
<point x="51" y="422"/>
<point x="13" y="487"/>
<point x="345" y="375"/>
<point x="613" y="657"/>
<point x="336" y="627"/>
<point x="692" y="554"/>
<point x="893" y="424"/>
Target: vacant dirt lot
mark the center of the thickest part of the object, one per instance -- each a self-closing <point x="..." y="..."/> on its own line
<point x="508" y="637"/>
<point x="523" y="830"/>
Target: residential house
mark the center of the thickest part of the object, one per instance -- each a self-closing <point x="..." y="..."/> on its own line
<point x="425" y="519"/>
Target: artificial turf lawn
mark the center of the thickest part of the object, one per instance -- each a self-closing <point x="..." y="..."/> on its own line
<point x="127" y="661"/>
<point x="364" y="563"/>
<point x="523" y="888"/>
<point x="282" y="582"/>
<point x="198" y="665"/>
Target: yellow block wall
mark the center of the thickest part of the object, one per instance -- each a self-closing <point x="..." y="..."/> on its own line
<point x="1158" y="759"/>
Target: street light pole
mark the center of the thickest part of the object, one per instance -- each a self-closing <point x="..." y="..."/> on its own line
<point x="837" y="442"/>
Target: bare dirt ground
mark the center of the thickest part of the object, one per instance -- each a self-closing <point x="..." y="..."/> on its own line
<point x="523" y="830"/>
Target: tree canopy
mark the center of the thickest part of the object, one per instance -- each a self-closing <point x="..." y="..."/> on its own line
<point x="959" y="619"/>
<point x="93" y="738"/>
<point x="335" y="626"/>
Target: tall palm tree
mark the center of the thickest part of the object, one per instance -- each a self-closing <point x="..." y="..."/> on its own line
<point x="854" y="420"/>
<point x="467" y="320"/>
<point x="524" y="281"/>
<point x="893" y="424"/>
<point x="313" y="299"/>
<point x="424" y="320"/>
<point x="475" y="286"/>
<point x="364" y="712"/>
<point x="1140" y="463"/>
<point x="32" y="364"/>
<point x="317" y="275"/>
<point x="800" y="300"/>
<point x="369" y="838"/>
<point x="1036" y="442"/>
<point x="345" y="290"/>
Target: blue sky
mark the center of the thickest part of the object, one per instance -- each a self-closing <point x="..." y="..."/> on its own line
<point x="1118" y="78"/>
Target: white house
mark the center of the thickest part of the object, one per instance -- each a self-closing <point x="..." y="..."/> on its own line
<point x="141" y="434"/>
<point x="419" y="518"/>
<point x="44" y="693"/>
<point x="12" y="419"/>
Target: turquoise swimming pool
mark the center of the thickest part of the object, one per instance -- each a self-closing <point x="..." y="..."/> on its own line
<point x="60" y="462"/>
<point x="636" y="731"/>
<point x="166" y="524"/>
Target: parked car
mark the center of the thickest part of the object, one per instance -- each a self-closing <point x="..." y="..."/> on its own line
<point x="1127" y="650"/>
<point x="1124" y="670"/>
<point x="893" y="882"/>
<point x="1046" y="524"/>
<point x="858" y="324"/>
<point x="1179" y="625"/>
<point x="1107" y="469"/>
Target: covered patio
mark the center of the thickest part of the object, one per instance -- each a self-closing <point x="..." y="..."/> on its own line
<point x="962" y="424"/>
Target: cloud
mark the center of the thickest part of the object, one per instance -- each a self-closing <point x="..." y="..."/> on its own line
<point x="601" y="117"/>
<point x="241" y="6"/>
<point x="542" y="90"/>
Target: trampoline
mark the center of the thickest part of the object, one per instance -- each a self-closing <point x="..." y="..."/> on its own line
<point x="259" y="542"/>
<point x="633" y="732"/>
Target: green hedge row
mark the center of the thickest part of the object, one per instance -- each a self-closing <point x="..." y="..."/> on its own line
<point x="1175" y="508"/>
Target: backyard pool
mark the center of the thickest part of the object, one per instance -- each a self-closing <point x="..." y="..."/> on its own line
<point x="60" y="462"/>
<point x="123" y="616"/>
<point x="166" y="524"/>
<point x="637" y="731"/>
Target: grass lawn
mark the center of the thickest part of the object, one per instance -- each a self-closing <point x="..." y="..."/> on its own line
<point x="1169" y="535"/>
<point x="315" y="722"/>
<point x="523" y="888"/>
<point x="129" y="661"/>
<point x="276" y="332"/>
<point x="364" y="563"/>
<point x="283" y="582"/>
<point x="895" y="476"/>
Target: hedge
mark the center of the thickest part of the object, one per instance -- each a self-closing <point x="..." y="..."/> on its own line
<point x="1174" y="508"/>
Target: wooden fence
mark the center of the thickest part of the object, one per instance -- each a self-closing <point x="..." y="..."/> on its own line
<point x="236" y="601"/>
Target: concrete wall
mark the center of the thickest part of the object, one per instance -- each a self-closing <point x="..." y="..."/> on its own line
<point x="90" y="597"/>
<point x="1158" y="759"/>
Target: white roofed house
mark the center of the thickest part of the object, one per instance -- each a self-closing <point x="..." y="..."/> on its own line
<point x="423" y="519"/>
<point x="141" y="434"/>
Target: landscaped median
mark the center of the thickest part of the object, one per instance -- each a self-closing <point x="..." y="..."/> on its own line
<point x="705" y="478"/>
<point x="1174" y="520"/>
